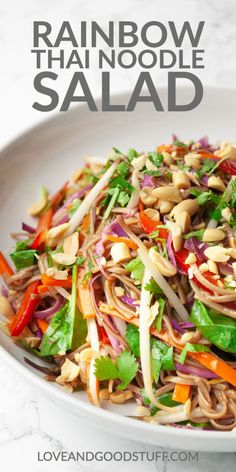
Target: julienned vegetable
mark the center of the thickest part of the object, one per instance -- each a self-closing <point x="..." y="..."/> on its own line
<point x="67" y="329"/>
<point x="126" y="283"/>
<point x="4" y="266"/>
<point x="26" y="310"/>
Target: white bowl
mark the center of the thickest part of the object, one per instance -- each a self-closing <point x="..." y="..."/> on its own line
<point x="47" y="155"/>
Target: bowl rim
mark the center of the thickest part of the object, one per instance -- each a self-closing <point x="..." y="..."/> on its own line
<point x="87" y="409"/>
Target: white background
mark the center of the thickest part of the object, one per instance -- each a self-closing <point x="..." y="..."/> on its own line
<point x="29" y="422"/>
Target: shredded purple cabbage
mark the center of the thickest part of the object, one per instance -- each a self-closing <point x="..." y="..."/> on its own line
<point x="148" y="181"/>
<point x="197" y="247"/>
<point x="42" y="314"/>
<point x="199" y="371"/>
<point x="129" y="300"/>
<point x="28" y="228"/>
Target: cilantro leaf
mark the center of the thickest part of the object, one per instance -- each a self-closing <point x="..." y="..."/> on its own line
<point x="182" y="166"/>
<point x="152" y="287"/>
<point x="124" y="368"/>
<point x="122" y="182"/>
<point x="123" y="198"/>
<point x="132" y="338"/>
<point x="156" y="158"/>
<point x="166" y="352"/>
<point x="105" y="369"/>
<point x="207" y="166"/>
<point x="122" y="169"/>
<point x="154" y="173"/>
<point x="127" y="368"/>
<point x="191" y="348"/>
<point x="179" y="143"/>
<point x="164" y="399"/>
<point x="131" y="154"/>
<point x="204" y="197"/>
<point x="136" y="268"/>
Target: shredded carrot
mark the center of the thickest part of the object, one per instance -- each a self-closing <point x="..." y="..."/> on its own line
<point x="207" y="155"/>
<point x="58" y="196"/>
<point x="118" y="239"/>
<point x="181" y="393"/>
<point x="85" y="223"/>
<point x="4" y="266"/>
<point x="42" y="324"/>
<point x="84" y="228"/>
<point x="50" y="282"/>
<point x="164" y="148"/>
<point x="42" y="289"/>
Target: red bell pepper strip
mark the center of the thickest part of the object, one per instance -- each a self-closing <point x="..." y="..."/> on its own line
<point x="44" y="223"/>
<point x="229" y="167"/>
<point x="103" y="337"/>
<point x="4" y="266"/>
<point x="26" y="310"/>
<point x="149" y="225"/>
<point x="59" y="196"/>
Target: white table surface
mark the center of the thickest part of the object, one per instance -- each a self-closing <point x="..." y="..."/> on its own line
<point x="28" y="422"/>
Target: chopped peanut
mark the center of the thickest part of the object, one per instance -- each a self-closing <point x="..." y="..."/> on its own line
<point x="190" y="206"/>
<point x="217" y="254"/>
<point x="147" y="196"/>
<point x="139" y="162"/>
<point x="164" y="207"/>
<point x="211" y="235"/>
<point x="168" y="193"/>
<point x="192" y="159"/>
<point x="71" y="244"/>
<point x="191" y="259"/>
<point x="203" y="267"/>
<point x="183" y="220"/>
<point x="120" y="252"/>
<point x="212" y="267"/>
<point x="64" y="259"/>
<point x="164" y="265"/>
<point x="216" y="183"/>
<point x="55" y="234"/>
<point x="181" y="180"/>
<point x="226" y="214"/>
<point x="176" y="235"/>
<point x="57" y="274"/>
<point x="119" y="291"/>
<point x="121" y="397"/>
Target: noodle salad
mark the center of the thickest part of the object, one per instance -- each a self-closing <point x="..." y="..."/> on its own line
<point x="126" y="287"/>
